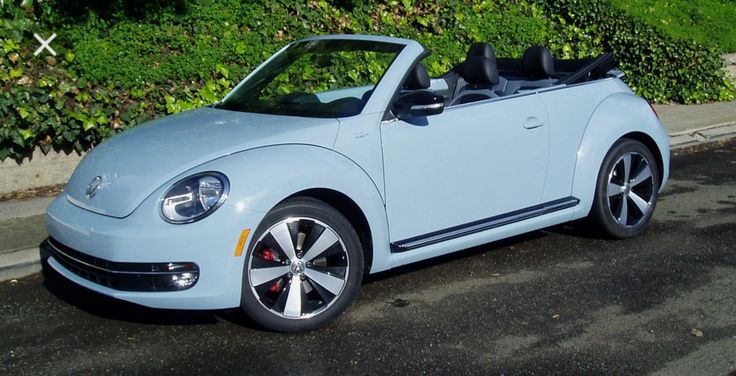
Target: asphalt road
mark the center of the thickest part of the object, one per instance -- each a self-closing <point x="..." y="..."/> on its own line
<point x="551" y="302"/>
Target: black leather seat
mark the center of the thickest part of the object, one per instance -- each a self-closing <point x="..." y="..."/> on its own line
<point x="538" y="63"/>
<point x="418" y="79"/>
<point x="537" y="71"/>
<point x="480" y="75"/>
<point x="481" y="49"/>
<point x="453" y="78"/>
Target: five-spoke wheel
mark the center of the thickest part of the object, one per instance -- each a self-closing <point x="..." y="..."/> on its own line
<point x="304" y="268"/>
<point x="627" y="188"/>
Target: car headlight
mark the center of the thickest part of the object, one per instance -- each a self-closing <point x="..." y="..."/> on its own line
<point x="194" y="197"/>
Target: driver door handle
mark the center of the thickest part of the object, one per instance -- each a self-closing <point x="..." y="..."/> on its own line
<point x="532" y="123"/>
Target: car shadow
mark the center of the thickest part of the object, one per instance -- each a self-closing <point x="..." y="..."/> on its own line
<point x="580" y="228"/>
<point x="106" y="307"/>
<point x="490" y="248"/>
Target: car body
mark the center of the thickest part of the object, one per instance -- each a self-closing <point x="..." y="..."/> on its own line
<point x="439" y="177"/>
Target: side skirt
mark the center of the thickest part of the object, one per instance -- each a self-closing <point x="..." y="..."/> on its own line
<point x="482" y="225"/>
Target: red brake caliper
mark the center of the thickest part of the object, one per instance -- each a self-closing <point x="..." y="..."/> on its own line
<point x="268" y="254"/>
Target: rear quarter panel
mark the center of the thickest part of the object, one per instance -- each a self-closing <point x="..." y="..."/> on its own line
<point x="618" y="115"/>
<point x="570" y="110"/>
<point x="586" y="120"/>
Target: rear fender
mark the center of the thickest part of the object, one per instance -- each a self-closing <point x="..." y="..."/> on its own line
<point x="618" y="115"/>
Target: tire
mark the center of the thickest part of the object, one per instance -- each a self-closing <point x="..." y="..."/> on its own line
<point x="306" y="244"/>
<point x="626" y="190"/>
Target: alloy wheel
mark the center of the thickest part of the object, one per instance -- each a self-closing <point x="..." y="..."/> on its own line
<point x="630" y="189"/>
<point x="298" y="268"/>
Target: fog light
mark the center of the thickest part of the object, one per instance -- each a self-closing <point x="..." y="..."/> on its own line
<point x="174" y="276"/>
<point x="184" y="280"/>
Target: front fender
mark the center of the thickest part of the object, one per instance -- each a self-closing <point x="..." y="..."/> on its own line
<point x="261" y="178"/>
<point x="618" y="115"/>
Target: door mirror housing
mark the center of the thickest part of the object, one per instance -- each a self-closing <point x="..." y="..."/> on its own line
<point x="418" y="104"/>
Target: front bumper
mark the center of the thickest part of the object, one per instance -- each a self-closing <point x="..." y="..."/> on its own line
<point x="125" y="276"/>
<point x="135" y="258"/>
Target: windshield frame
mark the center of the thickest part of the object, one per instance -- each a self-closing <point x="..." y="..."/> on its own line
<point x="246" y="96"/>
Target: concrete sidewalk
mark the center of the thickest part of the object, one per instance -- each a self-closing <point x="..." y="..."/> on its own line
<point x="692" y="124"/>
<point x="22" y="222"/>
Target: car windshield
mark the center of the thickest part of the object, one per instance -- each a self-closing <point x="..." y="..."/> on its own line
<point x="316" y="78"/>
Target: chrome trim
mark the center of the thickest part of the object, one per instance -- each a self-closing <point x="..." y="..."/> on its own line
<point x="108" y="270"/>
<point x="616" y="73"/>
<point x="93" y="186"/>
<point x="432" y="106"/>
<point x="482" y="225"/>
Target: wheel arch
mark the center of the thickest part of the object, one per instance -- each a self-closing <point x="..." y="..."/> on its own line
<point x="320" y="173"/>
<point x="354" y="214"/>
<point x="649" y="142"/>
<point x="620" y="115"/>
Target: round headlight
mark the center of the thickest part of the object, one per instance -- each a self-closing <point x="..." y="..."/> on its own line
<point x="194" y="197"/>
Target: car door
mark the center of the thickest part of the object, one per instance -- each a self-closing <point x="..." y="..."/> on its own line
<point x="468" y="164"/>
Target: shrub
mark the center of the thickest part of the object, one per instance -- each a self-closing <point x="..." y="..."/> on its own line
<point x="123" y="62"/>
<point x="658" y="66"/>
<point x="709" y="22"/>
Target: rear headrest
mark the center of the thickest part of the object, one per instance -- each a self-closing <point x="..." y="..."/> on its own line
<point x="538" y="62"/>
<point x="481" y="49"/>
<point x="480" y="70"/>
<point x="418" y="78"/>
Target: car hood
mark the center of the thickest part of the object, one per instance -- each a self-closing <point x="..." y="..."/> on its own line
<point x="133" y="164"/>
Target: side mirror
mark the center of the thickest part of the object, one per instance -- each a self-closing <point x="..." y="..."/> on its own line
<point x="418" y="104"/>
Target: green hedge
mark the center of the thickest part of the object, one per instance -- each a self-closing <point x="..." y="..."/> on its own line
<point x="709" y="22"/>
<point x="123" y="62"/>
<point x="659" y="67"/>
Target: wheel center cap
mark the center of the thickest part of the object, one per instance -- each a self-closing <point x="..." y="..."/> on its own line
<point x="297" y="267"/>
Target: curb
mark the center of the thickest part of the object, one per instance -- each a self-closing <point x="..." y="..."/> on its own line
<point x="20" y="263"/>
<point x="702" y="135"/>
<point x="24" y="208"/>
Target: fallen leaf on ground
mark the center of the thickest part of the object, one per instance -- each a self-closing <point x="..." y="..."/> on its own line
<point x="399" y="302"/>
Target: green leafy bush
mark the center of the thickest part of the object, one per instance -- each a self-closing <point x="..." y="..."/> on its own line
<point x="123" y="62"/>
<point x="658" y="66"/>
<point x="709" y="22"/>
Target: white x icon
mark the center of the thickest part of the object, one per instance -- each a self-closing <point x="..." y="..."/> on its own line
<point x="44" y="44"/>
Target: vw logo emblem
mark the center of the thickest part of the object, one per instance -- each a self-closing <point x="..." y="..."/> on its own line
<point x="93" y="186"/>
<point x="297" y="267"/>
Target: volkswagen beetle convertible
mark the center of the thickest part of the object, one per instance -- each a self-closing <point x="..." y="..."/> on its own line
<point x="339" y="156"/>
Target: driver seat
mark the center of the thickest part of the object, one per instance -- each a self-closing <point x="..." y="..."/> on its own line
<point x="418" y="79"/>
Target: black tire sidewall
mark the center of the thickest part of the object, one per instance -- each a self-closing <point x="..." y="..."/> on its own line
<point x="600" y="212"/>
<point x="310" y="208"/>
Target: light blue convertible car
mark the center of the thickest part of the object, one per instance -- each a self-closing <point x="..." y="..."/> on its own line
<point x="340" y="156"/>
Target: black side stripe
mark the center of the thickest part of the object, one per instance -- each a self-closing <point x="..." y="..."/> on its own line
<point x="482" y="225"/>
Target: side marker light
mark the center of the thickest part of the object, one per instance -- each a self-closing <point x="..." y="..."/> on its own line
<point x="241" y="242"/>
